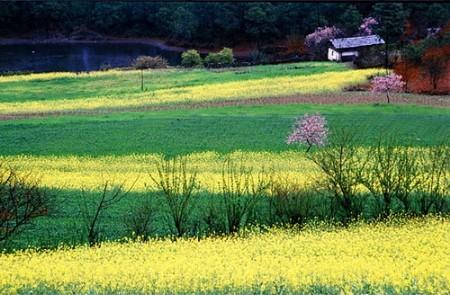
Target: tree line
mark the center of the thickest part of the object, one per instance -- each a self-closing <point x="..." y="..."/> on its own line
<point x="208" y="24"/>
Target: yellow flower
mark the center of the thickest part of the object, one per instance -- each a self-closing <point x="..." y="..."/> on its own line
<point x="412" y="256"/>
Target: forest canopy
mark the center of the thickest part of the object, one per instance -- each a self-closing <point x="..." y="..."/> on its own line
<point x="209" y="24"/>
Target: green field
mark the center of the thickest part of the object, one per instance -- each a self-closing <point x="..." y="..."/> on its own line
<point x="78" y="150"/>
<point x="118" y="84"/>
<point x="121" y="90"/>
<point x="220" y="129"/>
<point x="76" y="132"/>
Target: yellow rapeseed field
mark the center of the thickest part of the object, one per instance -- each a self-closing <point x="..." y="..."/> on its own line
<point x="57" y="75"/>
<point x="75" y="172"/>
<point x="378" y="258"/>
<point x="266" y="87"/>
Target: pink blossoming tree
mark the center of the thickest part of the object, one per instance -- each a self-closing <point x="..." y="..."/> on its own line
<point x="387" y="84"/>
<point x="309" y="130"/>
<point x="317" y="41"/>
<point x="367" y="26"/>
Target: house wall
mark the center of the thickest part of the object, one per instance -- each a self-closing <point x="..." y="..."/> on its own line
<point x="333" y="55"/>
<point x="348" y="55"/>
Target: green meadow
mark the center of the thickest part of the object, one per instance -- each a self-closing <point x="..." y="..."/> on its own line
<point x="63" y="142"/>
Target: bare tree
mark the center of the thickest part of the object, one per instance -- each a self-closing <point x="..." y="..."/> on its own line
<point x="139" y="221"/>
<point x="92" y="211"/>
<point x="177" y="187"/>
<point x="22" y="200"/>
<point x="341" y="165"/>
<point x="240" y="193"/>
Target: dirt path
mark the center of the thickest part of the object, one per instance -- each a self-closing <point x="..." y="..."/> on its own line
<point x="338" y="98"/>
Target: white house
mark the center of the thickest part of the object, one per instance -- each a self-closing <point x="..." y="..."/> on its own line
<point x="347" y="49"/>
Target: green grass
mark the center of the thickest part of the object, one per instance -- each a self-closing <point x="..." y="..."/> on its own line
<point x="180" y="131"/>
<point x="221" y="129"/>
<point x="121" y="84"/>
<point x="65" y="225"/>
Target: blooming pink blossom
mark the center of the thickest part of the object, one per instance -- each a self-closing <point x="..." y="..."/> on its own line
<point x="389" y="83"/>
<point x="366" y="27"/>
<point x="309" y="130"/>
<point x="320" y="35"/>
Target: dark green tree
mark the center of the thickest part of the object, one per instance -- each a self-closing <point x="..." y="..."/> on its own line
<point x="391" y="19"/>
<point x="350" y="20"/>
<point x="183" y="23"/>
<point x="260" y="22"/>
<point x="437" y="14"/>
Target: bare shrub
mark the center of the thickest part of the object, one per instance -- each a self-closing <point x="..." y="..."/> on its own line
<point x="435" y="185"/>
<point x="22" y="201"/>
<point x="409" y="178"/>
<point x="92" y="211"/>
<point x="290" y="203"/>
<point x="150" y="62"/>
<point x="240" y="193"/>
<point x="139" y="221"/>
<point x="383" y="176"/>
<point x="177" y="187"/>
<point x="341" y="165"/>
<point x="214" y="218"/>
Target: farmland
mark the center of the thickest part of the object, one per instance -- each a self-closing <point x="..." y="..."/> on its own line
<point x="278" y="261"/>
<point x="76" y="132"/>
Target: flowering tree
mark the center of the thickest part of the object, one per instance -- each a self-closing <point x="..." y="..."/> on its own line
<point x="367" y="25"/>
<point x="317" y="41"/>
<point x="309" y="130"/>
<point x="387" y="84"/>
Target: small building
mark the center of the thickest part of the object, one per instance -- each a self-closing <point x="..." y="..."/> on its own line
<point x="347" y="49"/>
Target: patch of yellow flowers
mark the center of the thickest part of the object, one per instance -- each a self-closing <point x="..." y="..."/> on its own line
<point x="256" y="88"/>
<point x="377" y="258"/>
<point x="90" y="173"/>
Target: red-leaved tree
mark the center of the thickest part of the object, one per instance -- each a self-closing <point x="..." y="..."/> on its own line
<point x="435" y="62"/>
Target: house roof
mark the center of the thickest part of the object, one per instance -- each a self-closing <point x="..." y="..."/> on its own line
<point x="343" y="43"/>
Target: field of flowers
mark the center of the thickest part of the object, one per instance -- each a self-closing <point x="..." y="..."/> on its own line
<point x="257" y="87"/>
<point x="248" y="213"/>
<point x="90" y="173"/>
<point x="409" y="257"/>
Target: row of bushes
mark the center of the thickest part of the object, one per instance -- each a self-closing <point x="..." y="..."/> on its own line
<point x="189" y="59"/>
<point x="223" y="58"/>
<point x="370" y="184"/>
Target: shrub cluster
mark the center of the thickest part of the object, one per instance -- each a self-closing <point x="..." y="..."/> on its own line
<point x="385" y="179"/>
<point x="372" y="184"/>
<point x="150" y="62"/>
<point x="191" y="59"/>
<point x="223" y="58"/>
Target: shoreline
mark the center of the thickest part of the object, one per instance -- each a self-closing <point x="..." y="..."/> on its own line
<point x="239" y="51"/>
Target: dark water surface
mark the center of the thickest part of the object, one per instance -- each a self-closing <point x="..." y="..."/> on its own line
<point x="76" y="57"/>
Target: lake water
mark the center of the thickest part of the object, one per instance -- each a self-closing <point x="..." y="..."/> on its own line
<point x="76" y="57"/>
